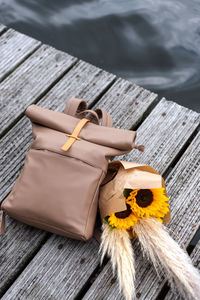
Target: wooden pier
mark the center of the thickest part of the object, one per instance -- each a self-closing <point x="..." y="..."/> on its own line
<point x="36" y="265"/>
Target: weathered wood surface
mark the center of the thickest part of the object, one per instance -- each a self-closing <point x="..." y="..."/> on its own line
<point x="84" y="81"/>
<point x="15" y="47"/>
<point x="68" y="267"/>
<point x="42" y="261"/>
<point x="62" y="267"/>
<point x="30" y="81"/>
<point x="195" y="256"/>
<point x="183" y="188"/>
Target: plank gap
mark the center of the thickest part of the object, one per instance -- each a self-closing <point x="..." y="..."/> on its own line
<point x="164" y="291"/>
<point x="194" y="241"/>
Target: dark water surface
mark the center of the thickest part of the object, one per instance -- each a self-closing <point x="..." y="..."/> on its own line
<point x="153" y="43"/>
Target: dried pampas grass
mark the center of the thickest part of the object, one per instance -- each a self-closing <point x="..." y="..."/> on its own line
<point x="165" y="252"/>
<point x="117" y="245"/>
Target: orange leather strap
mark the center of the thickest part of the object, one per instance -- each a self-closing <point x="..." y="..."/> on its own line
<point x="74" y="136"/>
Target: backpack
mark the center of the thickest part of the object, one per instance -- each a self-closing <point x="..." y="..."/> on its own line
<point x="58" y="187"/>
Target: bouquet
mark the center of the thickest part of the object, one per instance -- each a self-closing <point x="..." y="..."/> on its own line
<point x="134" y="204"/>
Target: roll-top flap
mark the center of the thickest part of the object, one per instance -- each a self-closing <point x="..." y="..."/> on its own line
<point x="121" y="139"/>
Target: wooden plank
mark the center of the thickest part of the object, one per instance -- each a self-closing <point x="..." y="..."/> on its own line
<point x="30" y="81"/>
<point x="15" y="47"/>
<point x="196" y="261"/>
<point x="15" y="254"/>
<point x="127" y="103"/>
<point x="2" y="28"/>
<point x="183" y="186"/>
<point x="57" y="278"/>
<point x="41" y="264"/>
<point x="84" y="81"/>
<point x="20" y="241"/>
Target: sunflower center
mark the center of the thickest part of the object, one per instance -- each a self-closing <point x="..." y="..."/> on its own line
<point x="125" y="213"/>
<point x="144" y="197"/>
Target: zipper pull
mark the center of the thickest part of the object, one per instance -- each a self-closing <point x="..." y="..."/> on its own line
<point x="3" y="222"/>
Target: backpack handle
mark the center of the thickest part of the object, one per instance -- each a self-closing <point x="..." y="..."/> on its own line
<point x="76" y="106"/>
<point x="106" y="117"/>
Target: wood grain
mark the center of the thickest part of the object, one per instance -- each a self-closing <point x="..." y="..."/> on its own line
<point x="101" y="287"/>
<point x="30" y="81"/>
<point x="15" y="47"/>
<point x="183" y="188"/>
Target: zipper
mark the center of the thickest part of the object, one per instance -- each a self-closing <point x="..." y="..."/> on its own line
<point x="3" y="222"/>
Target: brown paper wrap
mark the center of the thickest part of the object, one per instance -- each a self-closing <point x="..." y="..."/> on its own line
<point x="126" y="175"/>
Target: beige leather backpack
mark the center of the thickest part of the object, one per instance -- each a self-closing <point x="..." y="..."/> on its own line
<point x="58" y="187"/>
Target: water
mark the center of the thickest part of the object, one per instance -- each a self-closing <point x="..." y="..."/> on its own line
<point x="153" y="43"/>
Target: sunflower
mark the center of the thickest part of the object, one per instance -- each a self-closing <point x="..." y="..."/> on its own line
<point x="145" y="203"/>
<point x="140" y="203"/>
<point x="123" y="220"/>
